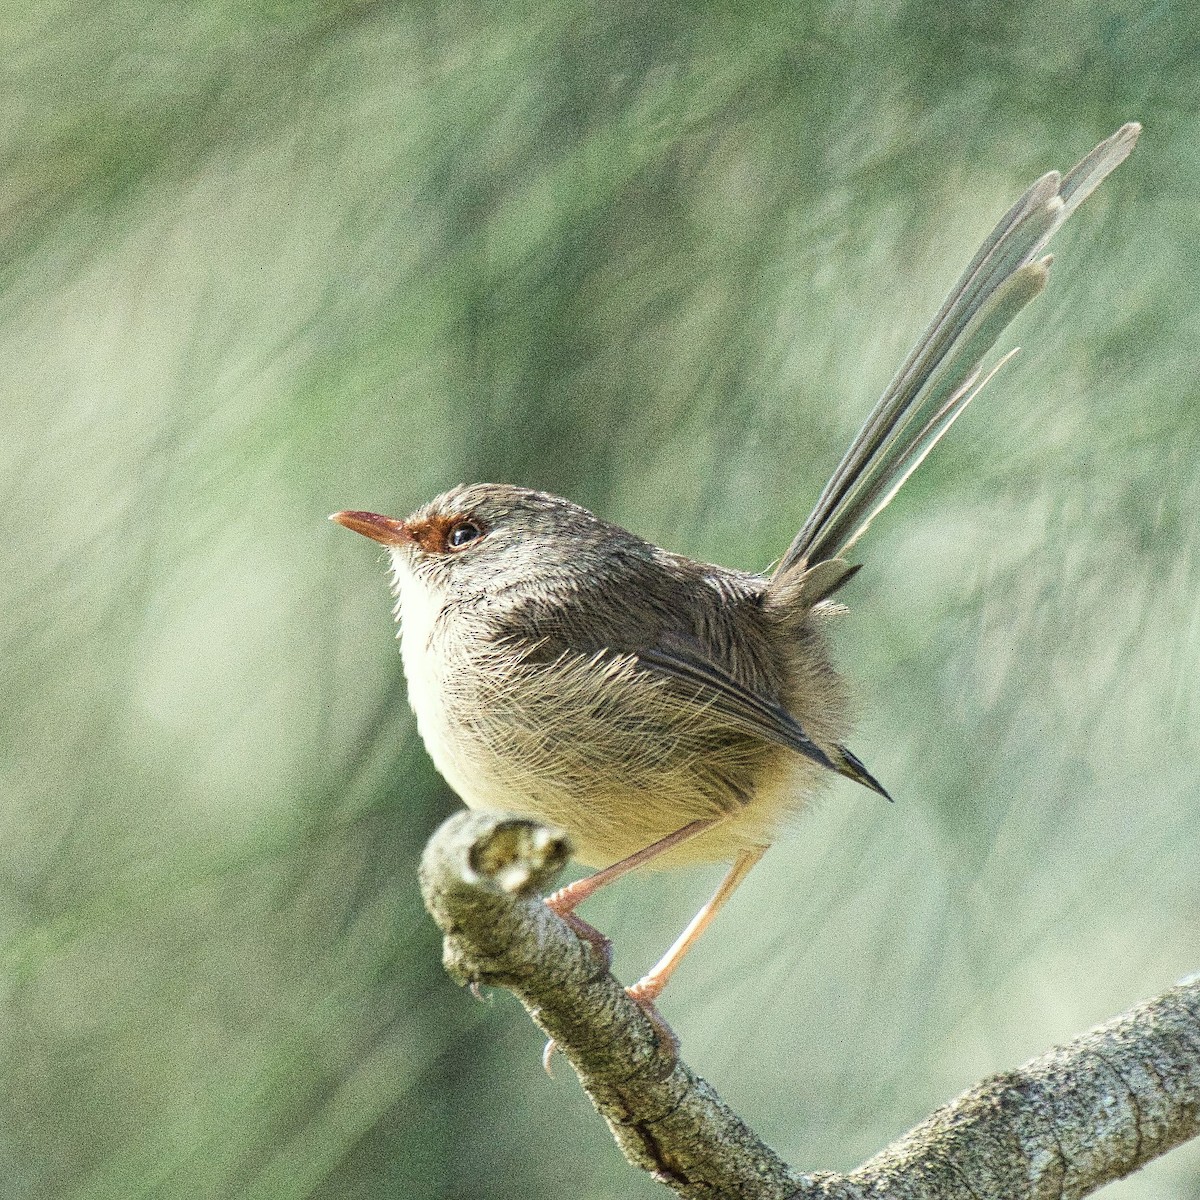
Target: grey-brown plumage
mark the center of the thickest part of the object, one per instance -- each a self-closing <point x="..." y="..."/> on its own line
<point x="563" y="668"/>
<point x="579" y="674"/>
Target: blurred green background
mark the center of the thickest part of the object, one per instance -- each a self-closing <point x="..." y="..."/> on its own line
<point x="262" y="261"/>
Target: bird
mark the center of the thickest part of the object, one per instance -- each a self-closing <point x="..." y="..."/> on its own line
<point x="660" y="710"/>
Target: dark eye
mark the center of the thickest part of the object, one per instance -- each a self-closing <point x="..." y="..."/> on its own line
<point x="461" y="533"/>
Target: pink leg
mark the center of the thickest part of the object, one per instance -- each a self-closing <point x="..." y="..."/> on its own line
<point x="650" y="986"/>
<point x="568" y="898"/>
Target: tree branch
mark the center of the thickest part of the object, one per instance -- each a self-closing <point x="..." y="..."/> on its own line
<point x="1064" y="1124"/>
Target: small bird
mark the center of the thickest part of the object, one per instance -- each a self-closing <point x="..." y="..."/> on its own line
<point x="659" y="709"/>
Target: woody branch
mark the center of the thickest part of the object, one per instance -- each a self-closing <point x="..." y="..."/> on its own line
<point x="1084" y="1114"/>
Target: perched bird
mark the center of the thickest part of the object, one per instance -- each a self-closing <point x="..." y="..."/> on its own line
<point x="656" y="708"/>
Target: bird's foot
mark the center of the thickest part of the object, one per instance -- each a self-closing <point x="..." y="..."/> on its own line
<point x="601" y="944"/>
<point x="644" y="993"/>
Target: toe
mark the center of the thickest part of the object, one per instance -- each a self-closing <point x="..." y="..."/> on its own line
<point x="643" y="994"/>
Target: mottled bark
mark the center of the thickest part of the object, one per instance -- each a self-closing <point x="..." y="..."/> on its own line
<point x="1064" y="1124"/>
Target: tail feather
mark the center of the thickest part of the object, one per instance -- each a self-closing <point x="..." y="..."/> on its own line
<point x="942" y="374"/>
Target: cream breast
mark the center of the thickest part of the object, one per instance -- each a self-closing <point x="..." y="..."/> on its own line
<point x="423" y="635"/>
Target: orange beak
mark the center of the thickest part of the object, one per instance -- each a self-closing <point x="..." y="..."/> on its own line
<point x="387" y="530"/>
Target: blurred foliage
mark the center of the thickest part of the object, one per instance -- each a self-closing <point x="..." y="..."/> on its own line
<point x="262" y="261"/>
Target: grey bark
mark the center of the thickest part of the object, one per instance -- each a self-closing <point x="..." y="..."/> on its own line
<point x="1062" y="1125"/>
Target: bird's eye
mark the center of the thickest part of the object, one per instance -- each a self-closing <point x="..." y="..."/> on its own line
<point x="461" y="534"/>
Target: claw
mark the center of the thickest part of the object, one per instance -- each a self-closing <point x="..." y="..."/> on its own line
<point x="601" y="944"/>
<point x="643" y="994"/>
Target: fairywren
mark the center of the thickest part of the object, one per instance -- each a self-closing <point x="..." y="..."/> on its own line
<point x="658" y="708"/>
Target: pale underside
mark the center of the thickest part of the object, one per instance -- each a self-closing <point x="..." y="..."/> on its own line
<point x="617" y="756"/>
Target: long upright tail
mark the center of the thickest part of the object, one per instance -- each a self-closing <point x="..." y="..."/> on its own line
<point x="942" y="374"/>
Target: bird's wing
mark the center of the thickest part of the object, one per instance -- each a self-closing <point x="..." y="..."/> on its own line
<point x="747" y="710"/>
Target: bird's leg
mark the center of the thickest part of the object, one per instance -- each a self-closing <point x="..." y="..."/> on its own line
<point x="647" y="989"/>
<point x="567" y="899"/>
